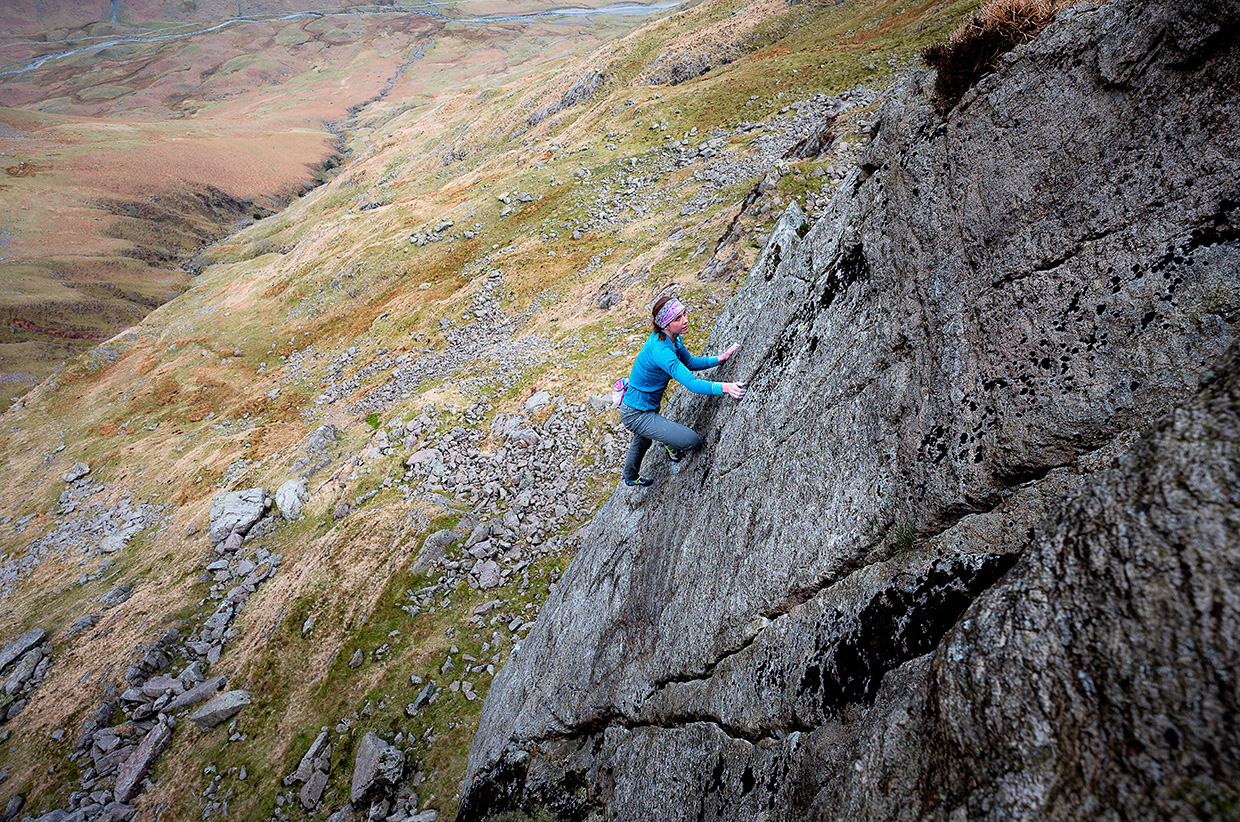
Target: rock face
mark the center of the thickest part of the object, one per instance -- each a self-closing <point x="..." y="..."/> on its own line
<point x="969" y="549"/>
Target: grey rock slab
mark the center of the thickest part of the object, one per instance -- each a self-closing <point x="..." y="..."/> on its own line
<point x="536" y="401"/>
<point x="344" y="814"/>
<point x="312" y="792"/>
<point x="377" y="769"/>
<point x="487" y="575"/>
<point x="289" y="498"/>
<point x="23" y="671"/>
<point x="112" y="544"/>
<point x="985" y="315"/>
<point x="307" y="764"/>
<point x="119" y="812"/>
<point x="200" y="692"/>
<point x="138" y="765"/>
<point x="158" y="685"/>
<point x="116" y="596"/>
<point x="424" y="697"/>
<point x="220" y="709"/>
<point x="83" y="623"/>
<point x="235" y="512"/>
<point x="435" y="546"/>
<point x="18" y="647"/>
<point x="79" y="470"/>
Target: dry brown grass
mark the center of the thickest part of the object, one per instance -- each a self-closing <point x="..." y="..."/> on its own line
<point x="974" y="48"/>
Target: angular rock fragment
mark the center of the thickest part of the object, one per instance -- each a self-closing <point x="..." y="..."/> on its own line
<point x="221" y="708"/>
<point x="307" y="765"/>
<point x="235" y="512"/>
<point x="424" y="697"/>
<point x="23" y="671"/>
<point x="139" y="764"/>
<point x="377" y="770"/>
<point x="289" y="498"/>
<point x="487" y="575"/>
<point x="18" y="647"/>
<point x="312" y="791"/>
<point x="79" y="470"/>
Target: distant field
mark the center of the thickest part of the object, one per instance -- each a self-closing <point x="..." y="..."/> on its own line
<point x="120" y="164"/>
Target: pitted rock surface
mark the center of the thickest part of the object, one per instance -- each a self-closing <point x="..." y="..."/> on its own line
<point x="994" y="310"/>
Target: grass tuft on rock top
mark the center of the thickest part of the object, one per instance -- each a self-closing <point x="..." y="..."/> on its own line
<point x="974" y="48"/>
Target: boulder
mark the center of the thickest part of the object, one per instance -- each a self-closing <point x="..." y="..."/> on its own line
<point x="116" y="596"/>
<point x="16" y="648"/>
<point x="118" y="812"/>
<point x="196" y="694"/>
<point x="536" y="401"/>
<point x="312" y="792"/>
<point x="79" y="470"/>
<point x="235" y="512"/>
<point x="289" y="498"/>
<point x="231" y="544"/>
<point x="309" y="761"/>
<point x="487" y="575"/>
<point x="139" y="764"/>
<point x="435" y="546"/>
<point x="424" y="697"/>
<point x="377" y="770"/>
<point x="157" y="686"/>
<point x="220" y="709"/>
<point x="23" y="671"/>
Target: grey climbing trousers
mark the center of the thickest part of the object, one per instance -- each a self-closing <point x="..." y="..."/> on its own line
<point x="648" y="426"/>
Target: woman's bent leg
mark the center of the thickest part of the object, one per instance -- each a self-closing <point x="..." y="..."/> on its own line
<point x="637" y="450"/>
<point x="633" y="462"/>
<point x="649" y="425"/>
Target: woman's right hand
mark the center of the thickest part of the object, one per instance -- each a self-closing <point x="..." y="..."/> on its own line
<point x="735" y="390"/>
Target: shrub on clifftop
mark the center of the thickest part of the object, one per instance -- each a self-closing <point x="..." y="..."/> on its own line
<point x="974" y="48"/>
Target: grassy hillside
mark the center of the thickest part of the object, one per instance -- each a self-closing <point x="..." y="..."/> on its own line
<point x="465" y="256"/>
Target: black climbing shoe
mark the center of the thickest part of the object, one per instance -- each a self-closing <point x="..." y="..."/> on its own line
<point x="673" y="454"/>
<point x="640" y="482"/>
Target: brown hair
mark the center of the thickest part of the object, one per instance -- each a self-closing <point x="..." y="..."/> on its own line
<point x="654" y="312"/>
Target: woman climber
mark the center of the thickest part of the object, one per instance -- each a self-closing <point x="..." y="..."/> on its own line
<point x="663" y="358"/>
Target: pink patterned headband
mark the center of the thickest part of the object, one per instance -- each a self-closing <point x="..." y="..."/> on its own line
<point x="670" y="311"/>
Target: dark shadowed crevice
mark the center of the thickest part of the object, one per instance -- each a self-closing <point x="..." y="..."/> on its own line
<point x="898" y="625"/>
<point x="495" y="790"/>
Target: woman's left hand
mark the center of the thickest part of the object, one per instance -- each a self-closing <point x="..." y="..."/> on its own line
<point x="729" y="352"/>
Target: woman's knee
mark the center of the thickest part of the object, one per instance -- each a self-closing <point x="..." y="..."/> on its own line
<point x="684" y="439"/>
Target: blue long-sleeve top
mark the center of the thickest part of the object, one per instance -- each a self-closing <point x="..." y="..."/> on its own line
<point x="657" y="363"/>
